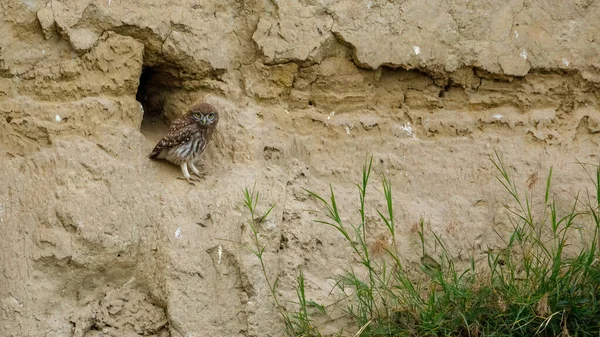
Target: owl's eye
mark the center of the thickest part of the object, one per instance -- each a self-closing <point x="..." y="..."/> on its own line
<point x="197" y="115"/>
<point x="211" y="115"/>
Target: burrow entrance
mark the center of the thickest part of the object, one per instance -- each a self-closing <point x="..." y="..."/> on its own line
<point x="156" y="85"/>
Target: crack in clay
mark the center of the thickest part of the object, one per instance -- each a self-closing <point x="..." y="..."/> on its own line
<point x="162" y="46"/>
<point x="353" y="52"/>
<point x="512" y="26"/>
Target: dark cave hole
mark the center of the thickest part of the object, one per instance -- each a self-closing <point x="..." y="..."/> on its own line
<point x="445" y="89"/>
<point x="147" y="92"/>
<point x="156" y="84"/>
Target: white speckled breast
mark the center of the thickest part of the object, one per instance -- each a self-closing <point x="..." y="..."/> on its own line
<point x="186" y="152"/>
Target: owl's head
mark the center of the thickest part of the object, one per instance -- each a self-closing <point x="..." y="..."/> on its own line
<point x="204" y="114"/>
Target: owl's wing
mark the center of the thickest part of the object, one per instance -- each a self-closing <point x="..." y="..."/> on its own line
<point x="181" y="131"/>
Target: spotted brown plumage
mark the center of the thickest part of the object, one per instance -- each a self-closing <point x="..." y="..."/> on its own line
<point x="187" y="138"/>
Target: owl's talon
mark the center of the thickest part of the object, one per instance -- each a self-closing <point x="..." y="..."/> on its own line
<point x="195" y="171"/>
<point x="188" y="179"/>
<point x="200" y="176"/>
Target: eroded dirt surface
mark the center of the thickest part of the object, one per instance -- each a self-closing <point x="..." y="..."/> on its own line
<point x="97" y="240"/>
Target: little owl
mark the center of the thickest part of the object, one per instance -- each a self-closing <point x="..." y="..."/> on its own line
<point x="187" y="138"/>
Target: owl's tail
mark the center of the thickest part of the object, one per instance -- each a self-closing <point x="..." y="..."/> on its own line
<point x="154" y="154"/>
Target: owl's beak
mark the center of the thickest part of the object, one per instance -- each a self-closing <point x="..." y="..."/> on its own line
<point x="204" y="120"/>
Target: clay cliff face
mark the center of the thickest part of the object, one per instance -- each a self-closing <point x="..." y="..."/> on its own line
<point x="96" y="239"/>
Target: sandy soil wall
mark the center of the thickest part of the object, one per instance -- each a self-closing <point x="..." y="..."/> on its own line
<point x="97" y="240"/>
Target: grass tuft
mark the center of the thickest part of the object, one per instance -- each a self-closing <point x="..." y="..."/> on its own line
<point x="297" y="323"/>
<point x="544" y="281"/>
<point x="530" y="287"/>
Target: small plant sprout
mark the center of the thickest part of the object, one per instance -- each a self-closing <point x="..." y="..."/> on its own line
<point x="296" y="323"/>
